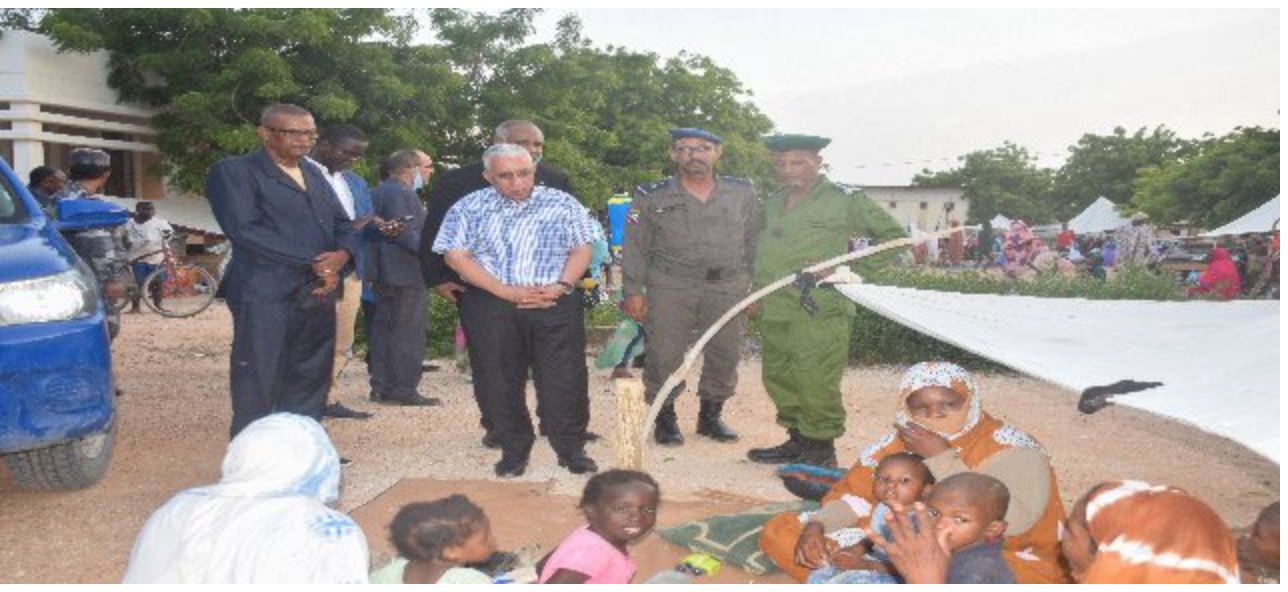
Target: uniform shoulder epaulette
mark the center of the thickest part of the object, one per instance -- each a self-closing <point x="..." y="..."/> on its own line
<point x="647" y="188"/>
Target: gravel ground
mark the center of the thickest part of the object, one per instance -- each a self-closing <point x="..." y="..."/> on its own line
<point x="175" y="411"/>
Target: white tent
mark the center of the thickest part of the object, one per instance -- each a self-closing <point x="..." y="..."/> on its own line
<point x="1218" y="361"/>
<point x="1262" y="219"/>
<point x="1000" y="221"/>
<point x="1101" y="216"/>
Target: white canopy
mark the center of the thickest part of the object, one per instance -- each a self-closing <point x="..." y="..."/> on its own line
<point x="1101" y="216"/>
<point x="1000" y="221"/>
<point x="1218" y="361"/>
<point x="1262" y="219"/>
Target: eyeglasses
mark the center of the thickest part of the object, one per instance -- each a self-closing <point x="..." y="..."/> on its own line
<point x="294" y="134"/>
<point x="699" y="149"/>
<point x="519" y="174"/>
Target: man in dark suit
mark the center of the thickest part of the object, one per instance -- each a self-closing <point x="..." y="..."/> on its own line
<point x="398" y="329"/>
<point x="449" y="189"/>
<point x="293" y="242"/>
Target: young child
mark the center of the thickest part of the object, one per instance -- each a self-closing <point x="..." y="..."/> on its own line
<point x="620" y="508"/>
<point x="434" y="539"/>
<point x="1259" y="548"/>
<point x="901" y="478"/>
<point x="970" y="509"/>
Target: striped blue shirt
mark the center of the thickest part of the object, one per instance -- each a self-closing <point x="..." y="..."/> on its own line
<point x="521" y="243"/>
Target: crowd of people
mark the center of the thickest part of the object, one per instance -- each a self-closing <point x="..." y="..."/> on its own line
<point x="953" y="494"/>
<point x="1242" y="266"/>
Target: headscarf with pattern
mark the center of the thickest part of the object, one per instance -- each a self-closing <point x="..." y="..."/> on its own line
<point x="1155" y="534"/>
<point x="949" y="376"/>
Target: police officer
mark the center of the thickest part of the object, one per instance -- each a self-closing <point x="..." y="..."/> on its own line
<point x="804" y="355"/>
<point x="102" y="249"/>
<point x="687" y="257"/>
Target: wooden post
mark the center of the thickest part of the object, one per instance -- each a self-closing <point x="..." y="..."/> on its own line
<point x="628" y="443"/>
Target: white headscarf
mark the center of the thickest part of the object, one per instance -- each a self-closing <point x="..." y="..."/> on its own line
<point x="264" y="522"/>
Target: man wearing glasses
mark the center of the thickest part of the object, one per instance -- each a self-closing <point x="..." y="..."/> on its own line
<point x="521" y="248"/>
<point x="293" y="242"/>
<point x="687" y="255"/>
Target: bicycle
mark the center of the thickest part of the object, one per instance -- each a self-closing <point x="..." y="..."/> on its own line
<point x="174" y="289"/>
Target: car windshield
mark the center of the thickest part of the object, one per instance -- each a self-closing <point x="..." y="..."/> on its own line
<point x="12" y="209"/>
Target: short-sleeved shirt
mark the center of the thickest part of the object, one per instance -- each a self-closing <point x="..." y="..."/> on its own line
<point x="147" y="239"/>
<point x="521" y="243"/>
<point x="816" y="229"/>
<point x="671" y="232"/>
<point x="588" y="553"/>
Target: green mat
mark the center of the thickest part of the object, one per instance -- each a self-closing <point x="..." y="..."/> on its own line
<point x="734" y="539"/>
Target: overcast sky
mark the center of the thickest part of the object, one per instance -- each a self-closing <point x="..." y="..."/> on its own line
<point x="903" y="90"/>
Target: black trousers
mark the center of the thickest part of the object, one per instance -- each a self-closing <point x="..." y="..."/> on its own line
<point x="506" y="343"/>
<point x="281" y="359"/>
<point x="397" y="340"/>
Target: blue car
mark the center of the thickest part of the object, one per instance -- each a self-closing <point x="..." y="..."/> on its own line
<point x="57" y="409"/>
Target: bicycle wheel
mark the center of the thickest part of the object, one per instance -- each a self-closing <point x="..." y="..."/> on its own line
<point x="183" y="293"/>
<point x="119" y="290"/>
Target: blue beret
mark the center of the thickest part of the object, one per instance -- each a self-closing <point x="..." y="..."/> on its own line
<point x="681" y="133"/>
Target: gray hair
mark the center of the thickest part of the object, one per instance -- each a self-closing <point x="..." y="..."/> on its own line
<point x="275" y="110"/>
<point x="502" y="151"/>
<point x="402" y="159"/>
<point x="502" y="132"/>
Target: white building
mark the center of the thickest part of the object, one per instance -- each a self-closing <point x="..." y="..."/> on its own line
<point x="923" y="208"/>
<point x="52" y="102"/>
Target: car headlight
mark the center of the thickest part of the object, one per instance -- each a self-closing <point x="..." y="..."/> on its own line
<point x="64" y="296"/>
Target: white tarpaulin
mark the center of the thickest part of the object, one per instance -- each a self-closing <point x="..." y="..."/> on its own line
<point x="1262" y="219"/>
<point x="1218" y="361"/>
<point x="1101" y="216"/>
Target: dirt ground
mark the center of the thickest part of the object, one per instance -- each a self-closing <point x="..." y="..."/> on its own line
<point x="173" y="422"/>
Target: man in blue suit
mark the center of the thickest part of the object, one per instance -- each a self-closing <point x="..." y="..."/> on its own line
<point x="338" y="147"/>
<point x="293" y="241"/>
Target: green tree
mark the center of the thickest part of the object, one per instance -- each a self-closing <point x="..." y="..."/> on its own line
<point x="1227" y="177"/>
<point x="209" y="72"/>
<point x="1108" y="166"/>
<point x="1003" y="180"/>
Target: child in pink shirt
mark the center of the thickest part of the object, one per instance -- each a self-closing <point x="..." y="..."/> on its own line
<point x="620" y="508"/>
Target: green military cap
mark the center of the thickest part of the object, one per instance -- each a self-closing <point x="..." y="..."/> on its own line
<point x="789" y="142"/>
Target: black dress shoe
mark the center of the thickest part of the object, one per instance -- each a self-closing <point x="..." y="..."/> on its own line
<point x="491" y="440"/>
<point x="412" y="401"/>
<point x="511" y="466"/>
<point x="579" y="464"/>
<point x="339" y="411"/>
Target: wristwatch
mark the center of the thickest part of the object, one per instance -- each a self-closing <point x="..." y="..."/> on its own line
<point x="568" y="287"/>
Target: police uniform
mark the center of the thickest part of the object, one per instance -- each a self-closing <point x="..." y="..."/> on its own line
<point x="803" y="355"/>
<point x="692" y="261"/>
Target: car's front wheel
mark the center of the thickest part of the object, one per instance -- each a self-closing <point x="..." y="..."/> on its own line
<point x="76" y="464"/>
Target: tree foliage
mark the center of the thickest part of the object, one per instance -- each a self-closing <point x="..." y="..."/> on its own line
<point x="1004" y="180"/>
<point x="209" y="72"/>
<point x="1108" y="166"/>
<point x="1228" y="177"/>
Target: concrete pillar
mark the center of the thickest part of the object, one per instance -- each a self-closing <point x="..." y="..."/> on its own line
<point x="27" y="153"/>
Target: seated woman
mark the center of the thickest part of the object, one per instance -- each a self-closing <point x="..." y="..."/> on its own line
<point x="941" y="418"/>
<point x="266" y="521"/>
<point x="1131" y="532"/>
